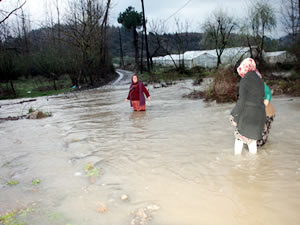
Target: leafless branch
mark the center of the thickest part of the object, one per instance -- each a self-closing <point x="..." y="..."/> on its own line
<point x="12" y="12"/>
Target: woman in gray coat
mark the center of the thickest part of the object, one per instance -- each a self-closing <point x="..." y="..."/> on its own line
<point x="248" y="115"/>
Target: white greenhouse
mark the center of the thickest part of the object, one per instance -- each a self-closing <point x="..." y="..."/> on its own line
<point x="278" y="57"/>
<point x="204" y="58"/>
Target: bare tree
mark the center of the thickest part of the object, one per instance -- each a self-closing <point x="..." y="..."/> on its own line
<point x="262" y="19"/>
<point x="6" y="28"/>
<point x="157" y="28"/>
<point x="83" y="22"/>
<point x="164" y="42"/>
<point x="290" y="11"/>
<point x="49" y="22"/>
<point x="167" y="44"/>
<point x="5" y="32"/>
<point x="181" y="39"/>
<point x="218" y="28"/>
<point x="11" y="61"/>
<point x="8" y="14"/>
<point x="58" y="23"/>
<point x="290" y="17"/>
<point x="25" y="28"/>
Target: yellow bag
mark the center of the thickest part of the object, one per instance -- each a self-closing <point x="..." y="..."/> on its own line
<point x="270" y="111"/>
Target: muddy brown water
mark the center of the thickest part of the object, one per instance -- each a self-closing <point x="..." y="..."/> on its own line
<point x="176" y="159"/>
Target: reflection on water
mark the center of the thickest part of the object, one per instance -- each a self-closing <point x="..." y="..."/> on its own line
<point x="138" y="119"/>
<point x="175" y="162"/>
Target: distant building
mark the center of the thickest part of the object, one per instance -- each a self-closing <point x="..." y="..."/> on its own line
<point x="209" y="58"/>
<point x="278" y="57"/>
<point x="204" y="58"/>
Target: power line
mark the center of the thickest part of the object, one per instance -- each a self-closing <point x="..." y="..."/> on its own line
<point x="178" y="10"/>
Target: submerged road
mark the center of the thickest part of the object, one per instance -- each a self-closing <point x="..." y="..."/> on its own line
<point x="95" y="161"/>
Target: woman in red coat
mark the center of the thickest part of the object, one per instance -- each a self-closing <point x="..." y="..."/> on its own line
<point x="136" y="94"/>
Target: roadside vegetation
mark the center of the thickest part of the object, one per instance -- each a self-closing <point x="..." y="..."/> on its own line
<point x="70" y="52"/>
<point x="224" y="87"/>
<point x="78" y="49"/>
<point x="34" y="87"/>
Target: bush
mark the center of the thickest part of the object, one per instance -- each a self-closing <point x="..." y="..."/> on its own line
<point x="223" y="89"/>
<point x="197" y="69"/>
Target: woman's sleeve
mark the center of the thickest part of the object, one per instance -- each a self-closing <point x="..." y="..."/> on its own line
<point x="268" y="93"/>
<point x="236" y="111"/>
<point x="128" y="97"/>
<point x="146" y="91"/>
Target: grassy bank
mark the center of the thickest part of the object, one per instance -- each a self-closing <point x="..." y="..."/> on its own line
<point x="34" y="87"/>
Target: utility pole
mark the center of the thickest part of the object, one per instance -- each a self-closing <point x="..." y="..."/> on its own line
<point x="146" y="39"/>
<point x="142" y="58"/>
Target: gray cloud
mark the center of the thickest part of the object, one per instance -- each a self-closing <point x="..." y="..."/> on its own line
<point x="195" y="12"/>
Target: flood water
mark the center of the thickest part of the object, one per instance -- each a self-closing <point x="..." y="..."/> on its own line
<point x="174" y="162"/>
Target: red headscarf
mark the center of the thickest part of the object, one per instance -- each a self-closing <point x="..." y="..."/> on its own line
<point x="247" y="65"/>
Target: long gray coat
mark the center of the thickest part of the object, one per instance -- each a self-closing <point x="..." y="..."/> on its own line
<point x="249" y="112"/>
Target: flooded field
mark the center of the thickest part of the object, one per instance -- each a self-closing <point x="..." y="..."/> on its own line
<point x="95" y="161"/>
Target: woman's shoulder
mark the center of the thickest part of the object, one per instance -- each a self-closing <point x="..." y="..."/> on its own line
<point x="250" y="74"/>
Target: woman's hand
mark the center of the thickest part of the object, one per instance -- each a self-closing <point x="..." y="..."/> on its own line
<point x="266" y="101"/>
<point x="149" y="99"/>
<point x="232" y="121"/>
<point x="126" y="100"/>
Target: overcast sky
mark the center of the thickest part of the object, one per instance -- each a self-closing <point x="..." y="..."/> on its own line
<point x="192" y="11"/>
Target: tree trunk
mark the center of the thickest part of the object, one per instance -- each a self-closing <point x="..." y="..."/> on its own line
<point x="12" y="88"/>
<point x="121" y="50"/>
<point x="219" y="61"/>
<point x="84" y="71"/>
<point x="250" y="47"/>
<point x="219" y="57"/>
<point x="168" y="53"/>
<point x="54" y="85"/>
<point x="136" y="45"/>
